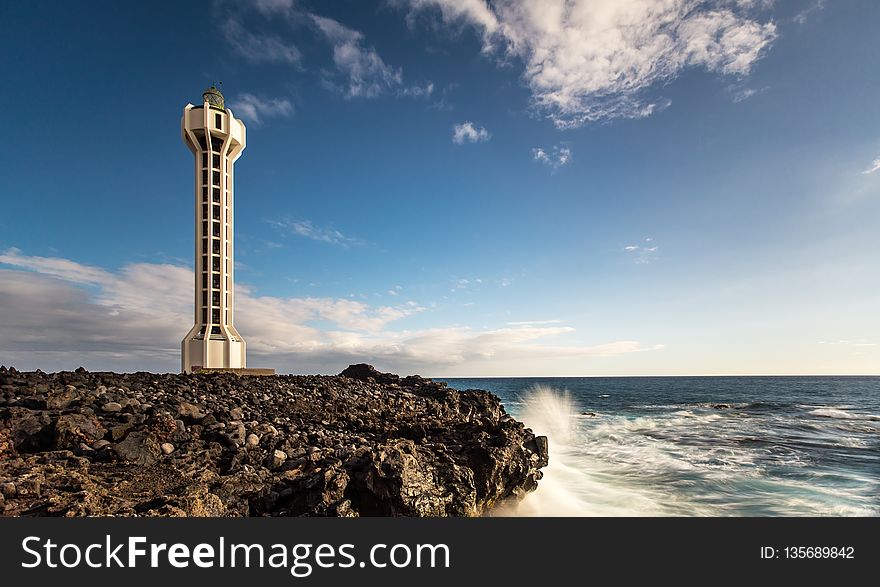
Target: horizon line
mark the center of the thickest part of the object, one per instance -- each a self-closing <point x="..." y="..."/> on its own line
<point x="510" y="376"/>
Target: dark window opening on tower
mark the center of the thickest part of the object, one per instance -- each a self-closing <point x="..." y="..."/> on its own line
<point x="204" y="298"/>
<point x="205" y="280"/>
<point x="217" y="229"/>
<point x="204" y="315"/>
<point x="215" y="281"/>
<point x="216" y="247"/>
<point x="205" y="227"/>
<point x="215" y="298"/>
<point x="215" y="330"/>
<point x="204" y="246"/>
<point x="204" y="210"/>
<point x="204" y="176"/>
<point x="204" y="159"/>
<point x="216" y="212"/>
<point x="216" y="194"/>
<point x="216" y="263"/>
<point x="216" y="144"/>
<point x="218" y="121"/>
<point x="205" y="263"/>
<point x="215" y="316"/>
<point x="216" y="178"/>
<point x="200" y="137"/>
<point x="216" y="160"/>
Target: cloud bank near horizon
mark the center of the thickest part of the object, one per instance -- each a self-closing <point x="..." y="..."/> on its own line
<point x="60" y="314"/>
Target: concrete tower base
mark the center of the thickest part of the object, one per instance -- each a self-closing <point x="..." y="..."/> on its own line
<point x="198" y="354"/>
<point x="245" y="371"/>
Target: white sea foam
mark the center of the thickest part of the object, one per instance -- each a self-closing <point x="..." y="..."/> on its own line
<point x="691" y="462"/>
<point x="841" y="414"/>
<point x="573" y="484"/>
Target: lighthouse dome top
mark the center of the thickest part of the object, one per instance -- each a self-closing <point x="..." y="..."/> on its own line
<point x="214" y="97"/>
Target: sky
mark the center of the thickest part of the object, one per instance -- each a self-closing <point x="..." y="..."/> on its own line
<point x="452" y="187"/>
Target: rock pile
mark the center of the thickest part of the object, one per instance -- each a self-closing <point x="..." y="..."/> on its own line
<point x="360" y="443"/>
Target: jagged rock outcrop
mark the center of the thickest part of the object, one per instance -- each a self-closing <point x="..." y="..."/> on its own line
<point x="360" y="443"/>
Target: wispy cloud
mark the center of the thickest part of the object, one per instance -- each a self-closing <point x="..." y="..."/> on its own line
<point x="57" y="267"/>
<point x="366" y="74"/>
<point x="468" y="132"/>
<point x="59" y="314"/>
<point x="873" y="168"/>
<point x="740" y="94"/>
<point x="256" y="110"/>
<point x="417" y="91"/>
<point x="592" y="60"/>
<point x="466" y="284"/>
<point x="643" y="253"/>
<point x="259" y="47"/>
<point x="276" y="7"/>
<point x="534" y="322"/>
<point x="804" y="15"/>
<point x="555" y="158"/>
<point x="324" y="234"/>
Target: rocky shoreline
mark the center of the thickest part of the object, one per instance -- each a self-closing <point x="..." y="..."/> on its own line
<point x="361" y="443"/>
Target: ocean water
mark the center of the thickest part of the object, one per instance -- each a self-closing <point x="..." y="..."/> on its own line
<point x="700" y="446"/>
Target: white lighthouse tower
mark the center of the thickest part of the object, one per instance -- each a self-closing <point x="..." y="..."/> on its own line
<point x="216" y="139"/>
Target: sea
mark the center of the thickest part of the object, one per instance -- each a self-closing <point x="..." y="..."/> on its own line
<point x="699" y="446"/>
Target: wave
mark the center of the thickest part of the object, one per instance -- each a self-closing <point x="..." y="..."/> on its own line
<point x="694" y="461"/>
<point x="573" y="483"/>
<point x="841" y="414"/>
<point x="719" y="406"/>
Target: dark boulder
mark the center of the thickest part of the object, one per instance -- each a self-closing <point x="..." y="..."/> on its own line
<point x="364" y="372"/>
<point x="72" y="430"/>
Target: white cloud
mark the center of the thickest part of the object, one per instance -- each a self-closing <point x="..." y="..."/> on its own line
<point x="555" y="157"/>
<point x="259" y="47"/>
<point x="642" y="254"/>
<point x="467" y="131"/>
<point x="367" y="75"/>
<point x="273" y="7"/>
<point x="57" y="267"/>
<point x="804" y="15"/>
<point x="741" y="94"/>
<point x="875" y="167"/>
<point x="590" y="60"/>
<point x="305" y="228"/>
<point x="417" y="91"/>
<point x="360" y="71"/>
<point x="255" y="109"/>
<point x="59" y="314"/>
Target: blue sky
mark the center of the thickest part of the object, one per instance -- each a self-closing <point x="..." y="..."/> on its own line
<point x="452" y="187"/>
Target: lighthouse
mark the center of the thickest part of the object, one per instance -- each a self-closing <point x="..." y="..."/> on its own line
<point x="216" y="139"/>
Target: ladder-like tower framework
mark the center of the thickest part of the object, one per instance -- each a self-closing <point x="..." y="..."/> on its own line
<point x="216" y="139"/>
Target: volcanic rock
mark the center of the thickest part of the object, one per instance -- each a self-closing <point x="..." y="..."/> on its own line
<point x="363" y="443"/>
